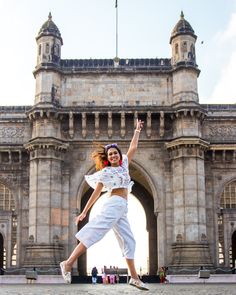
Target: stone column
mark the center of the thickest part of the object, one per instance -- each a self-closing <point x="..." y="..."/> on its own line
<point x="45" y="249"/>
<point x="190" y="247"/>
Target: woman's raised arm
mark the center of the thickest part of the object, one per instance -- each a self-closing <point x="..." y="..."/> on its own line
<point x="134" y="142"/>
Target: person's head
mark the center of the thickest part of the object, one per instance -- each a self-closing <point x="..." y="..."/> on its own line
<point x="108" y="155"/>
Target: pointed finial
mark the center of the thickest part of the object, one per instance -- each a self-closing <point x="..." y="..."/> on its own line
<point x="182" y="15"/>
<point x="50" y="16"/>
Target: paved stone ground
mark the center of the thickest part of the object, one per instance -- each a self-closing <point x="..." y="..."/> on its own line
<point x="80" y="289"/>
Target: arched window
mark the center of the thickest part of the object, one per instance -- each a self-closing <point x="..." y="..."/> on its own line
<point x="228" y="197"/>
<point x="14" y="241"/>
<point x="184" y="46"/>
<point x="39" y="52"/>
<point x="6" y="199"/>
<point x="47" y="48"/>
<point x="4" y="257"/>
<point x="192" y="49"/>
<point x="221" y="240"/>
<point x="13" y="256"/>
<point x="176" y="48"/>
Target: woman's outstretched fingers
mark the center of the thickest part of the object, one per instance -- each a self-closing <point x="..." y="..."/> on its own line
<point x="139" y="124"/>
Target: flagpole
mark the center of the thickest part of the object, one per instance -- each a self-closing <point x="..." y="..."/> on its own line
<point x="116" y="6"/>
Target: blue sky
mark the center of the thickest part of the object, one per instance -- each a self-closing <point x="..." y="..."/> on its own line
<point x="88" y="31"/>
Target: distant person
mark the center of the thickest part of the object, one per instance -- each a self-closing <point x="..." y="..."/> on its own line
<point x="117" y="275"/>
<point x="104" y="277"/>
<point x="112" y="278"/>
<point x="31" y="276"/>
<point x="162" y="275"/>
<point x="113" y="176"/>
<point x="94" y="275"/>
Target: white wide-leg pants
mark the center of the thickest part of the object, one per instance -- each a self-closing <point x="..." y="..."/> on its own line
<point x="112" y="216"/>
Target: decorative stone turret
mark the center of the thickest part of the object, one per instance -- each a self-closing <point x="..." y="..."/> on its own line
<point x="46" y="73"/>
<point x="49" y="43"/>
<point x="182" y="41"/>
<point x="183" y="61"/>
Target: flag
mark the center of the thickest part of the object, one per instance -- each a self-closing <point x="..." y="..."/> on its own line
<point x="116" y="4"/>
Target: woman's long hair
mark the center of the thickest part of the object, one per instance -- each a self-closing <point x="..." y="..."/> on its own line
<point x="100" y="155"/>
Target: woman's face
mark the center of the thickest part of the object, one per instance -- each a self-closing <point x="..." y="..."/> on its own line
<point x="113" y="157"/>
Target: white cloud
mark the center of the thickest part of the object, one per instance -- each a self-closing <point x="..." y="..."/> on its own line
<point x="229" y="34"/>
<point x="224" y="90"/>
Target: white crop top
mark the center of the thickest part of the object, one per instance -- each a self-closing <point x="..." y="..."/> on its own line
<point x="112" y="177"/>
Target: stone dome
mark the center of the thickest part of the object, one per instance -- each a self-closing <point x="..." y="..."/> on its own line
<point x="182" y="28"/>
<point x="49" y="29"/>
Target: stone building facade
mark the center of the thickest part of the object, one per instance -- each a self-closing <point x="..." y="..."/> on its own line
<point x="184" y="170"/>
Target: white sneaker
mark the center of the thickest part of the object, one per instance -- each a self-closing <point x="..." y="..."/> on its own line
<point x="138" y="284"/>
<point x="65" y="274"/>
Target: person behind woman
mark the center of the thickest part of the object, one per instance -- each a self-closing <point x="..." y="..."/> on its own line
<point x="94" y="275"/>
<point x="112" y="176"/>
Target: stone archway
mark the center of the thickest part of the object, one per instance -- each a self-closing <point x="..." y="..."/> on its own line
<point x="234" y="249"/>
<point x="1" y="252"/>
<point x="146" y="199"/>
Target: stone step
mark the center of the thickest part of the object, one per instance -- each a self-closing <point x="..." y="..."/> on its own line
<point x="213" y="278"/>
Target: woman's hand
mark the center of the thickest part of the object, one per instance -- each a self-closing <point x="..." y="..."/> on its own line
<point x="139" y="125"/>
<point x="79" y="218"/>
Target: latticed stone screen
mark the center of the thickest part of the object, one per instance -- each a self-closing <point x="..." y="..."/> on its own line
<point x="6" y="199"/>
<point x="228" y="197"/>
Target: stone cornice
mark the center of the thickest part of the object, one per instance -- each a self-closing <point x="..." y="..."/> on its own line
<point x="46" y="143"/>
<point x="223" y="147"/>
<point x="183" y="65"/>
<point x="187" y="142"/>
<point x="42" y="110"/>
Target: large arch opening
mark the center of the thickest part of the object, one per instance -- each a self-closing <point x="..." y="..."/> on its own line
<point x="1" y="253"/>
<point x="9" y="218"/>
<point x="142" y="191"/>
<point x="227" y="204"/>
<point x="234" y="249"/>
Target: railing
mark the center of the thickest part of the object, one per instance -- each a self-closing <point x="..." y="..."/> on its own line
<point x="129" y="64"/>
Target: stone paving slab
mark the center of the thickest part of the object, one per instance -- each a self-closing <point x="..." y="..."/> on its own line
<point x="80" y="289"/>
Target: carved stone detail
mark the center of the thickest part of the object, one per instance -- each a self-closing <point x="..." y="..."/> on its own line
<point x="149" y="124"/>
<point x="84" y="125"/>
<point x="122" y="124"/>
<point x="162" y="124"/>
<point x="82" y="156"/>
<point x="71" y="125"/>
<point x="109" y="123"/>
<point x="97" y="132"/>
<point x="135" y="118"/>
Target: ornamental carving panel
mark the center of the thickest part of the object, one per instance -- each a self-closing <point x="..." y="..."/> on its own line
<point x="220" y="131"/>
<point x="12" y="132"/>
